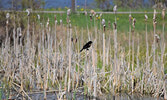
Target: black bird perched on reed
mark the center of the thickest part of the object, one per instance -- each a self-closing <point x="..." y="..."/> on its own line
<point x="86" y="46"/>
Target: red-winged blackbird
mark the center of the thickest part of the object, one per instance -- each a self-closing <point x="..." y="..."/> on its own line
<point x="86" y="46"/>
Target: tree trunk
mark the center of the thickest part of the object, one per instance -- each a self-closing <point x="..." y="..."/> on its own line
<point x="73" y="5"/>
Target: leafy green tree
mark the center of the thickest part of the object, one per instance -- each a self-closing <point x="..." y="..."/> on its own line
<point x="129" y="3"/>
<point x="33" y="4"/>
<point x="103" y="4"/>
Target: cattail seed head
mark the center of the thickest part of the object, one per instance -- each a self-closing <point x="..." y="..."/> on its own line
<point x="157" y="38"/>
<point x="7" y="16"/>
<point x="61" y="21"/>
<point x="86" y="13"/>
<point x="114" y="26"/>
<point x="97" y="17"/>
<point x="115" y="9"/>
<point x="38" y="17"/>
<point x="103" y="22"/>
<point x="67" y="19"/>
<point x="28" y="12"/>
<point x="146" y="17"/>
<point x="104" y="27"/>
<point x="130" y="18"/>
<point x="55" y="17"/>
<point x="7" y="22"/>
<point x="134" y="22"/>
<point x="47" y="24"/>
<point x="163" y="13"/>
<point x="68" y="12"/>
<point x="70" y="25"/>
<point x="90" y="17"/>
<point x="19" y="31"/>
<point x="154" y="23"/>
<point x="109" y="24"/>
<point x="101" y="14"/>
<point x="93" y="12"/>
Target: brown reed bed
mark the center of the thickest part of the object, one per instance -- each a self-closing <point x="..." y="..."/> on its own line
<point x="42" y="57"/>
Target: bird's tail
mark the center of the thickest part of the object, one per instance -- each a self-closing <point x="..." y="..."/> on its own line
<point x="81" y="50"/>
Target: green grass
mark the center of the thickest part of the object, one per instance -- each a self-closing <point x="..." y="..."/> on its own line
<point x="82" y="21"/>
<point x="1" y="92"/>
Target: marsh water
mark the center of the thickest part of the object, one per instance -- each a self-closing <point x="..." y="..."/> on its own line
<point x="79" y="96"/>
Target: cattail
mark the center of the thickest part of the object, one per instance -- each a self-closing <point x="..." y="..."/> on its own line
<point x="97" y="17"/>
<point x="93" y="12"/>
<point x="56" y="21"/>
<point x="132" y="76"/>
<point x="109" y="24"/>
<point x="90" y="17"/>
<point x="134" y="22"/>
<point x="7" y="16"/>
<point x="104" y="27"/>
<point x="70" y="24"/>
<point x="28" y="12"/>
<point x="55" y="17"/>
<point x="47" y="24"/>
<point x="85" y="13"/>
<point x="154" y="15"/>
<point x="154" y="48"/>
<point x="67" y="19"/>
<point x="163" y="14"/>
<point x="61" y="21"/>
<point x="103" y="22"/>
<point x="115" y="9"/>
<point x="38" y="17"/>
<point x="157" y="38"/>
<point x="130" y="18"/>
<point x="68" y="12"/>
<point x="114" y="26"/>
<point x="154" y="23"/>
<point x="19" y="31"/>
<point x="146" y="17"/>
<point x="100" y="14"/>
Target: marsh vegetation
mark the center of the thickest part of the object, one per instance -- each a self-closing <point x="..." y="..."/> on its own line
<point x="41" y="54"/>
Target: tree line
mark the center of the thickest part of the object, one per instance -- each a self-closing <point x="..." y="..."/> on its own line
<point x="107" y="4"/>
<point x="101" y="4"/>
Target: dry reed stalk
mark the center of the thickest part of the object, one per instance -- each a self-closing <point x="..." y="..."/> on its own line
<point x="130" y="30"/>
<point x="165" y="89"/>
<point x="44" y="62"/>
<point x="115" y="69"/>
<point x="88" y="33"/>
<point x="94" y="72"/>
<point x="55" y="52"/>
<point x="69" y="59"/>
<point x="7" y="31"/>
<point x="48" y="55"/>
<point x="147" y="45"/>
<point x="154" y="42"/>
<point x="133" y="53"/>
<point x="107" y="53"/>
<point x="45" y="83"/>
<point x="163" y="40"/>
<point x="104" y="54"/>
<point x="162" y="54"/>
